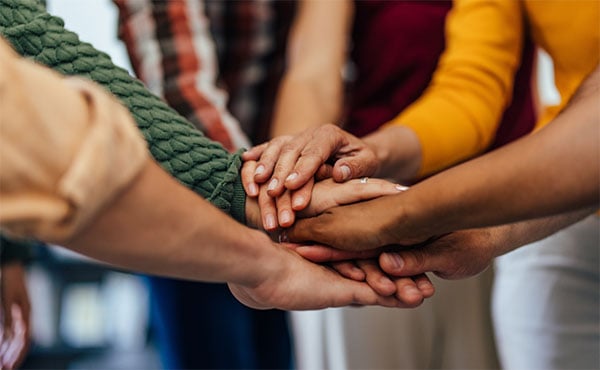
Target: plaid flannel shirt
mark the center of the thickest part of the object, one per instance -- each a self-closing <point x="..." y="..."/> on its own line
<point x="207" y="58"/>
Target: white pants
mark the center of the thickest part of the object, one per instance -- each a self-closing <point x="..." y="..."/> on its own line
<point x="546" y="301"/>
<point x="451" y="330"/>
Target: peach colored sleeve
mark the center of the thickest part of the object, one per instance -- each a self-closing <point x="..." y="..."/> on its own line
<point x="66" y="149"/>
<point x="458" y="114"/>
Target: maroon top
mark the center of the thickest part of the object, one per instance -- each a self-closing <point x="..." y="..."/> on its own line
<point x="396" y="46"/>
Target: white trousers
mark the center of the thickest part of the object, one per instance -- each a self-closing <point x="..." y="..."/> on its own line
<point x="546" y="301"/>
<point x="451" y="330"/>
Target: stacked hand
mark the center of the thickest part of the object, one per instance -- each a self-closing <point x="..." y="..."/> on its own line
<point x="281" y="174"/>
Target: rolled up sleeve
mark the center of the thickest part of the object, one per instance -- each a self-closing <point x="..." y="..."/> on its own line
<point x="67" y="148"/>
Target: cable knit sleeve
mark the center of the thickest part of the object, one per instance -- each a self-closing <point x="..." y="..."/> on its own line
<point x="199" y="163"/>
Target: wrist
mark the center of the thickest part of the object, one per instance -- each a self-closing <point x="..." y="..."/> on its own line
<point x="398" y="151"/>
<point x="262" y="261"/>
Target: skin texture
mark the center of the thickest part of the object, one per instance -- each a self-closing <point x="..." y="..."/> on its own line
<point x="262" y="274"/>
<point x="553" y="171"/>
<point x="457" y="255"/>
<point x="15" y="315"/>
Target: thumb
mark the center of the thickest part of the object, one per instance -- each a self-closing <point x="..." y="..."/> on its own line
<point x="305" y="230"/>
<point x="411" y="262"/>
<point x="362" y="164"/>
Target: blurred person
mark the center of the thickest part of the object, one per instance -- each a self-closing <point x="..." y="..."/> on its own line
<point x="545" y="191"/>
<point x="395" y="50"/>
<point x="207" y="59"/>
<point x="56" y="198"/>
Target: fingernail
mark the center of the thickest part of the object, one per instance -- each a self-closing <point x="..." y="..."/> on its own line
<point x="422" y="285"/>
<point x="272" y="184"/>
<point x="285" y="217"/>
<point x="259" y="170"/>
<point x="270" y="222"/>
<point x="345" y="172"/>
<point x="411" y="290"/>
<point x="298" y="201"/>
<point x="385" y="280"/>
<point x="292" y="176"/>
<point x="401" y="187"/>
<point x="253" y="190"/>
<point x="395" y="260"/>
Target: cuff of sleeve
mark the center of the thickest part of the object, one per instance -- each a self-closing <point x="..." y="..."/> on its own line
<point x="238" y="201"/>
<point x="111" y="154"/>
<point x="438" y="144"/>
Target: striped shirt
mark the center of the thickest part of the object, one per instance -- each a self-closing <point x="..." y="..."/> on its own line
<point x="207" y="58"/>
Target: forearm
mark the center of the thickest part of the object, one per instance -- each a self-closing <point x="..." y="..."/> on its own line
<point x="398" y="152"/>
<point x="513" y="236"/>
<point x="456" y="117"/>
<point x="303" y="104"/>
<point x="553" y="171"/>
<point x="311" y="92"/>
<point x="187" y="237"/>
<point x="199" y="163"/>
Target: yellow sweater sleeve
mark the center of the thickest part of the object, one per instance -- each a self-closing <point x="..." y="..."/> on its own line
<point x="457" y="115"/>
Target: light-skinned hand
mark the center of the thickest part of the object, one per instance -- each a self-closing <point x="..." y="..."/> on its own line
<point x="290" y="162"/>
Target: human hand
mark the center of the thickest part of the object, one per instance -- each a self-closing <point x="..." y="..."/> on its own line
<point x="280" y="211"/>
<point x="357" y="227"/>
<point x="290" y="162"/>
<point x="15" y="311"/>
<point x="360" y="266"/>
<point x="457" y="255"/>
<point x="298" y="284"/>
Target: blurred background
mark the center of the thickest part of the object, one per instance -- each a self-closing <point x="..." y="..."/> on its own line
<point x="86" y="315"/>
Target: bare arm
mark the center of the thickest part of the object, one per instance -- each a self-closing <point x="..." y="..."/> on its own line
<point x="311" y="91"/>
<point x="468" y="252"/>
<point x="553" y="171"/>
<point x="86" y="181"/>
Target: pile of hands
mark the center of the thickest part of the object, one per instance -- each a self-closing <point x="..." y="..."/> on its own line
<point x="312" y="193"/>
<point x="302" y="194"/>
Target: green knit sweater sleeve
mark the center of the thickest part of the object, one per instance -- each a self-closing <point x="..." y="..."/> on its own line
<point x="199" y="163"/>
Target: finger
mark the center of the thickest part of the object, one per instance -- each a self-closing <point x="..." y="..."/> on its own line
<point x="268" y="210"/>
<point x="254" y="153"/>
<point x="268" y="159"/>
<point x="376" y="278"/>
<point x="282" y="174"/>
<point x="348" y="269"/>
<point x="424" y="285"/>
<point x="285" y="214"/>
<point x="247" y="176"/>
<point x="358" y="190"/>
<point x="301" y="197"/>
<point x="363" y="163"/>
<point x="412" y="261"/>
<point x="324" y="172"/>
<point x="408" y="292"/>
<point x="306" y="230"/>
<point x="320" y="253"/>
<point x="323" y="144"/>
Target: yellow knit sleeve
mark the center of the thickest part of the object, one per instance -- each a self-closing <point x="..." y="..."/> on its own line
<point x="457" y="115"/>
